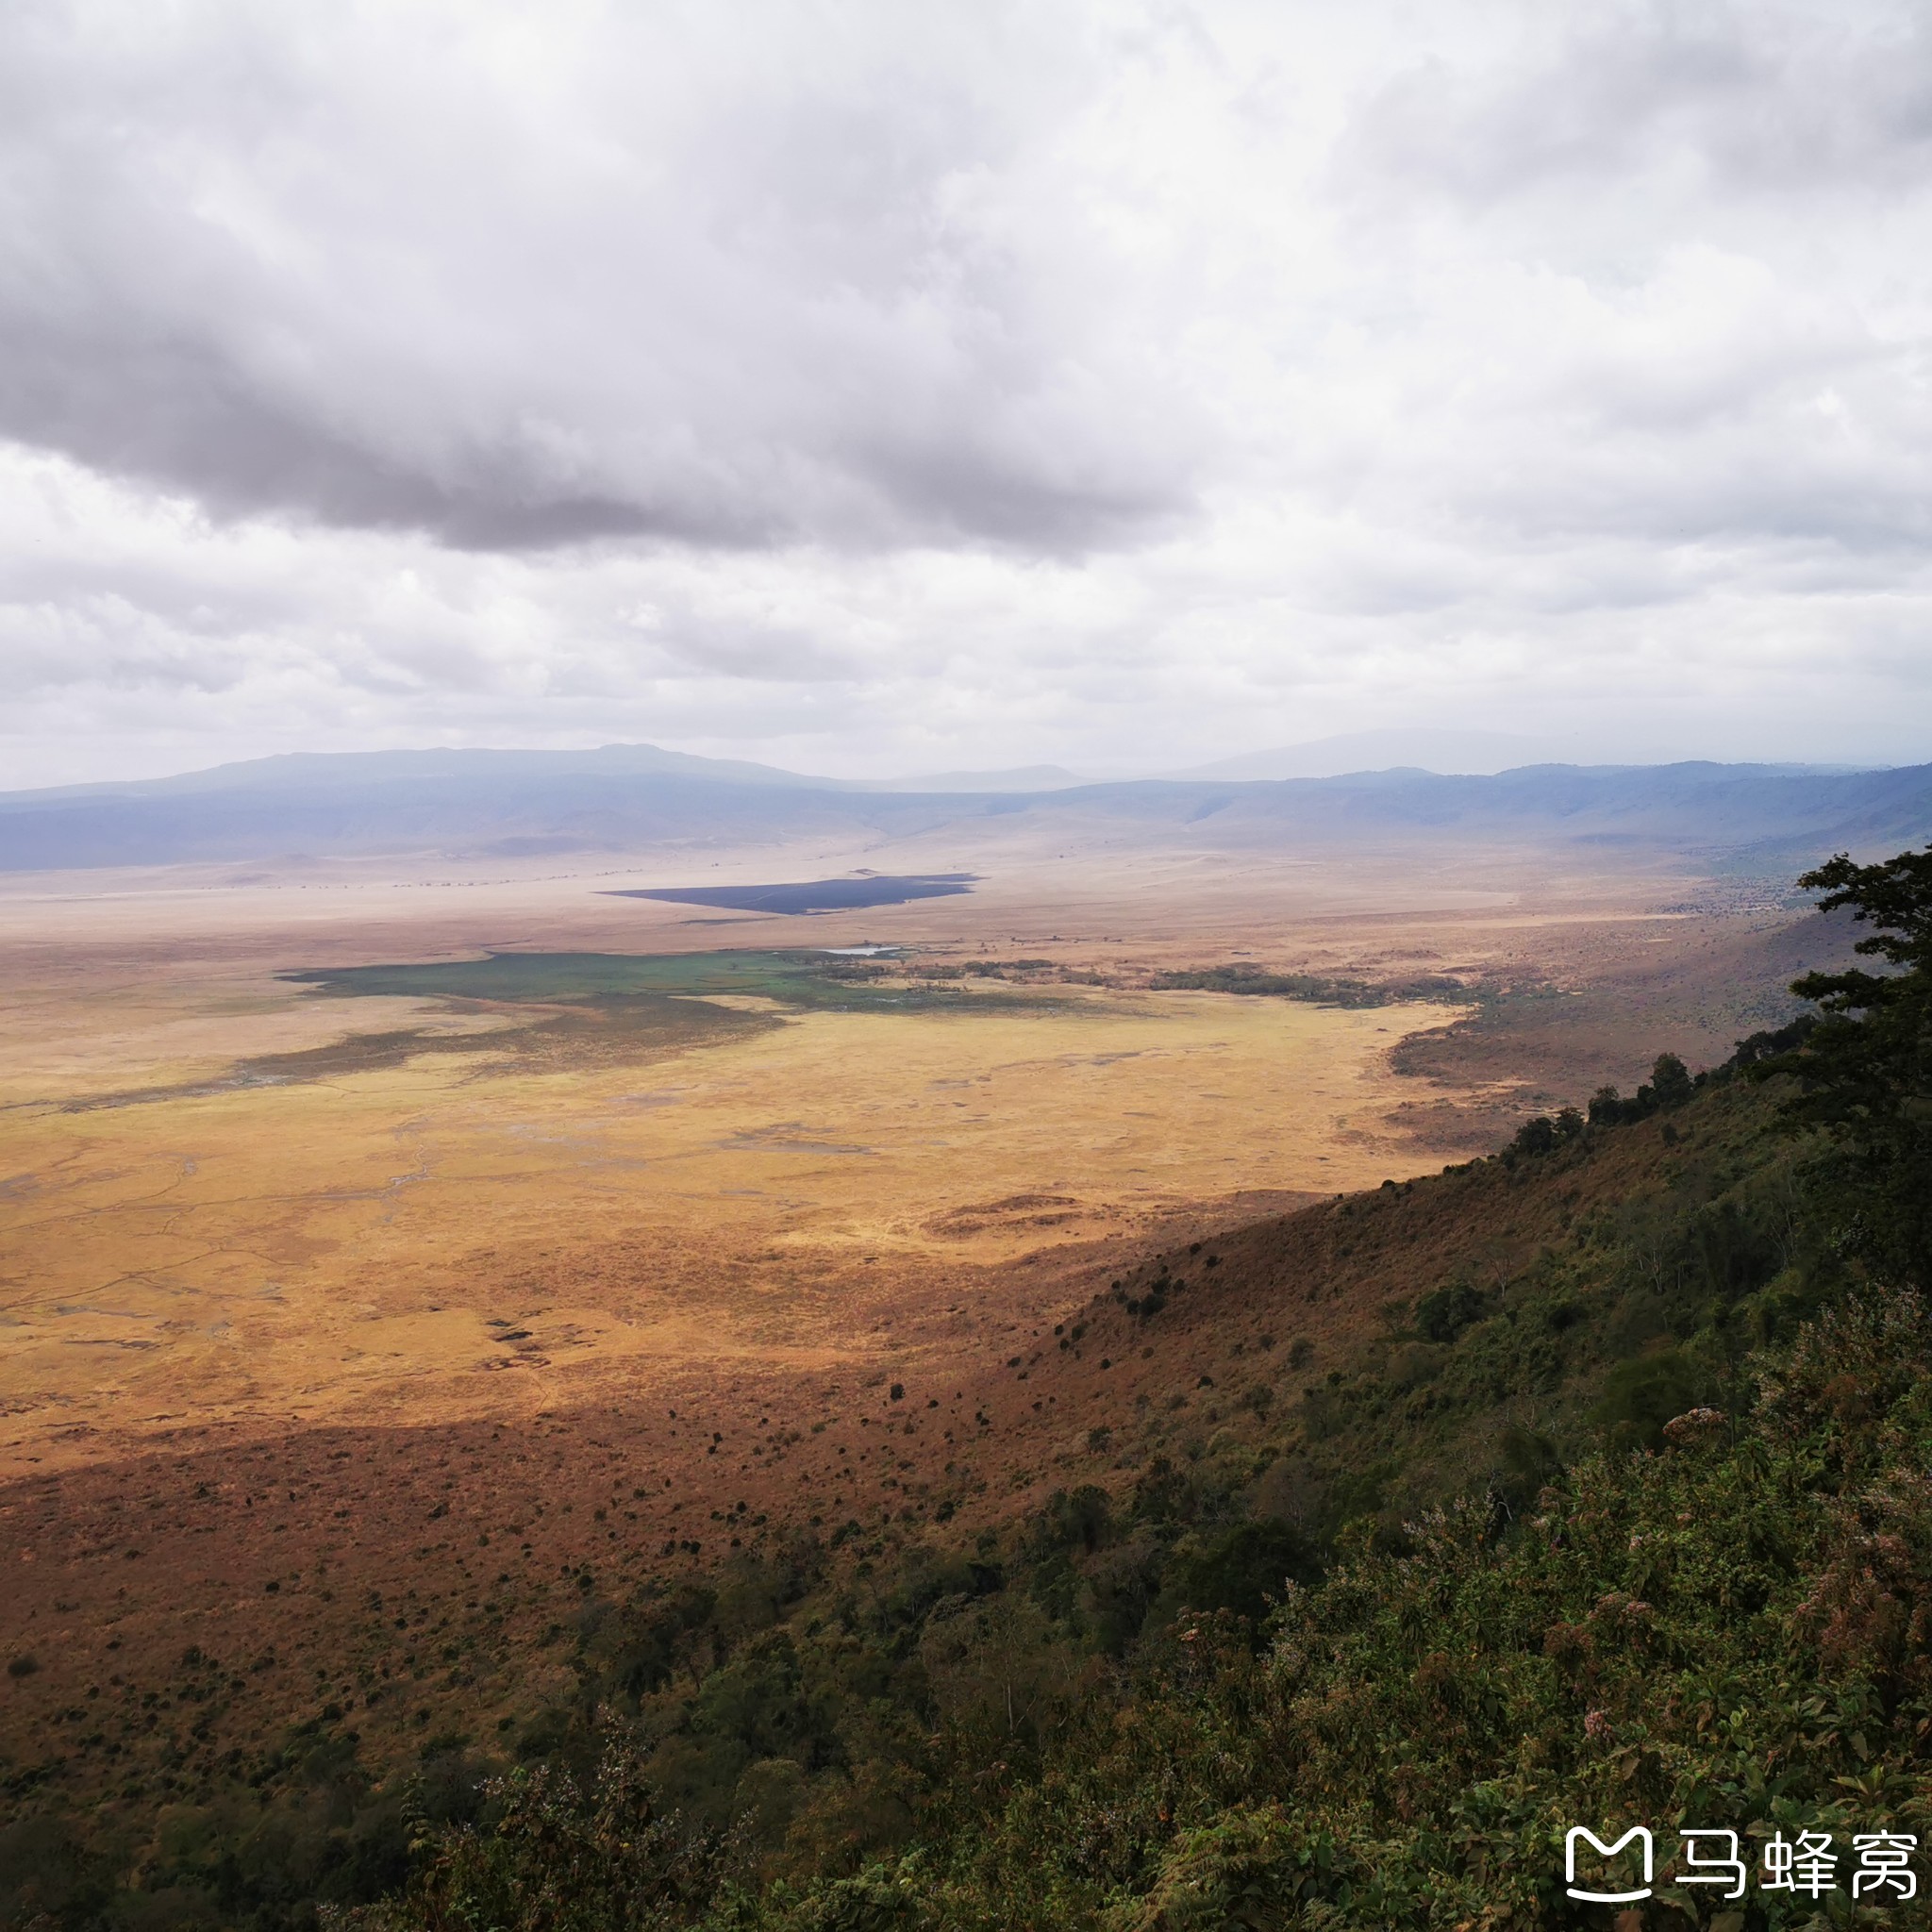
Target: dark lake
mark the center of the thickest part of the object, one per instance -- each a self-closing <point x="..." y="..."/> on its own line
<point x="814" y="895"/>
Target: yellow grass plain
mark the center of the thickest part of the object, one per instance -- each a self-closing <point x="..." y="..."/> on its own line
<point x="597" y="1294"/>
<point x="450" y="1237"/>
<point x="469" y="1235"/>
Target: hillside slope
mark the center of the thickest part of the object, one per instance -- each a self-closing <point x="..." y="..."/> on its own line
<point x="901" y="1608"/>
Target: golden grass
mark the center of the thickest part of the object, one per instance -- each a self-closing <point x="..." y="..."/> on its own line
<point x="308" y="1252"/>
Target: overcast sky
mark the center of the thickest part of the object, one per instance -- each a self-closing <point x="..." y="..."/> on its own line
<point x="887" y="388"/>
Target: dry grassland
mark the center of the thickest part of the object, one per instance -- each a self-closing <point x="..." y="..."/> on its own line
<point x="337" y="1377"/>
<point x="478" y="1233"/>
<point x="343" y="1248"/>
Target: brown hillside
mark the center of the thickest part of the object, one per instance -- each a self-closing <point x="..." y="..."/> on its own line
<point x="184" y="1608"/>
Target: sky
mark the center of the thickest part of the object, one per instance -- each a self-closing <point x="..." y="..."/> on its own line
<point x="875" y="389"/>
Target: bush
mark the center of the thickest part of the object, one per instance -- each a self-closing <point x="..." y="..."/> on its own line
<point x="1640" y="1396"/>
<point x="1445" y="1312"/>
<point x="1244" y="1569"/>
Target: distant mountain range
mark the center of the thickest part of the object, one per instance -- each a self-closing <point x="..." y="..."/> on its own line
<point x="1020" y="778"/>
<point x="1445" y="753"/>
<point x="634" y="798"/>
<point x="1422" y="748"/>
<point x="319" y="771"/>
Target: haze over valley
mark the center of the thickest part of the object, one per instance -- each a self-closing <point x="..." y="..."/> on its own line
<point x="288" y="1129"/>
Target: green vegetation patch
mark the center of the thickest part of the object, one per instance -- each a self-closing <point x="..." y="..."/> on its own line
<point x="801" y="979"/>
<point x="1314" y="987"/>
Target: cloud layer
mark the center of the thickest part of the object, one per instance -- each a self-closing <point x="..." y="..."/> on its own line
<point x="869" y="386"/>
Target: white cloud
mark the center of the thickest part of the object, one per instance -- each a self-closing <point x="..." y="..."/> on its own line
<point x="866" y="387"/>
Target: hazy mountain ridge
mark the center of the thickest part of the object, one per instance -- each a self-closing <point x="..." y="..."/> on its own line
<point x="631" y="797"/>
<point x="1432" y="748"/>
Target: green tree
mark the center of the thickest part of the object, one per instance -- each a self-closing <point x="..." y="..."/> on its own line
<point x="1865" y="1070"/>
<point x="1670" y="1080"/>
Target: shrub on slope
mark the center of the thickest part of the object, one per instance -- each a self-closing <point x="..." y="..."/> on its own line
<point x="1734" y="1632"/>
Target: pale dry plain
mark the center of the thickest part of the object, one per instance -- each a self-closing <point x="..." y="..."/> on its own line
<point x="474" y="1234"/>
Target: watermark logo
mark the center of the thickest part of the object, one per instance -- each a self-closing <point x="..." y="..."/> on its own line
<point x="1884" y="1863"/>
<point x="1882" y="1872"/>
<point x="1640" y="1834"/>
<point x="1707" y="1864"/>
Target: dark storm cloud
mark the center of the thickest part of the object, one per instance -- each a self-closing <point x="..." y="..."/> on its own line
<point x="182" y="414"/>
<point x="383" y="280"/>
